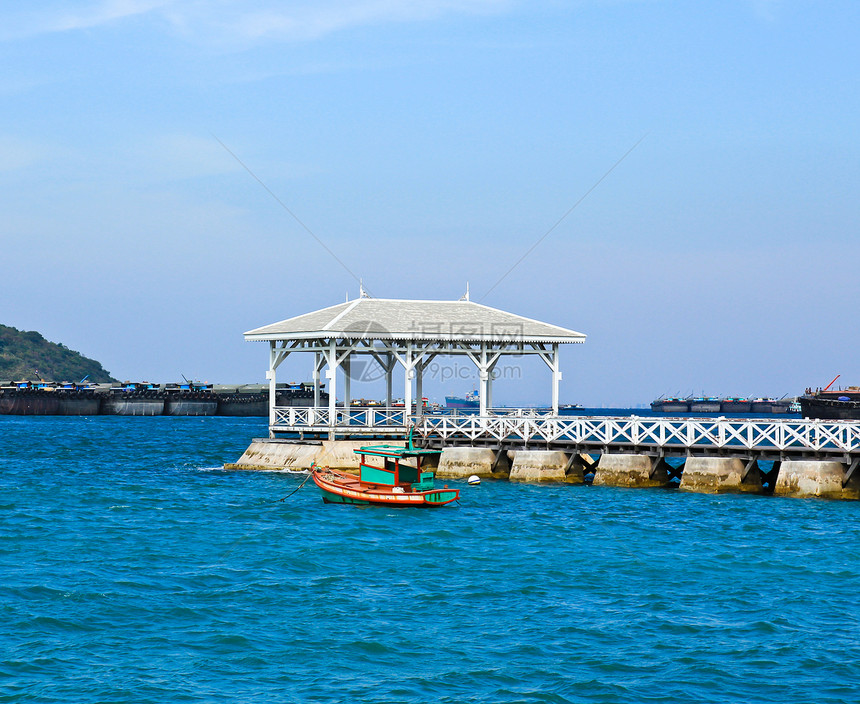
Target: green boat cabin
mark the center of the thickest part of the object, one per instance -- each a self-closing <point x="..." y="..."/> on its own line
<point x="392" y="465"/>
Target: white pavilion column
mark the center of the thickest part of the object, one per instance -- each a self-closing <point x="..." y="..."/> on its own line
<point x="483" y="375"/>
<point x="331" y="375"/>
<point x="316" y="379"/>
<point x="271" y="375"/>
<point x="389" y="378"/>
<point x="490" y="385"/>
<point x="419" y="388"/>
<point x="556" y="378"/>
<point x="410" y="372"/>
<point x="347" y="382"/>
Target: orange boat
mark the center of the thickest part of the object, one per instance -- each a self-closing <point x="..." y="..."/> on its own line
<point x="394" y="478"/>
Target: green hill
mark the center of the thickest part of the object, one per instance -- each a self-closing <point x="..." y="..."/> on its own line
<point x="28" y="355"/>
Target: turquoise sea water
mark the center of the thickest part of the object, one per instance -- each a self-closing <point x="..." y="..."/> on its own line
<point x="132" y="569"/>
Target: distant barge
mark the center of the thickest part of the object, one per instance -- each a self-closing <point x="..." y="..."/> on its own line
<point x="147" y="399"/>
<point x="712" y="404"/>
<point x="841" y="404"/>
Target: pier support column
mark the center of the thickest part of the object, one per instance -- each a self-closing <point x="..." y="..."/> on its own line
<point x="816" y="479"/>
<point x="719" y="475"/>
<point x="545" y="466"/>
<point x="631" y="471"/>
<point x="463" y="462"/>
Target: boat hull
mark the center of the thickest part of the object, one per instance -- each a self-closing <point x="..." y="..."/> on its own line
<point x="28" y="403"/>
<point x="244" y="405"/>
<point x="462" y="404"/>
<point x="342" y="488"/>
<point x="191" y="406"/>
<point x="78" y="405"/>
<point x="705" y="406"/>
<point x="735" y="407"/>
<point x="829" y="409"/>
<point x="670" y="407"/>
<point x="132" y="406"/>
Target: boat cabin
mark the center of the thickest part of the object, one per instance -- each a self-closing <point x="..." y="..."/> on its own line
<point x="396" y="466"/>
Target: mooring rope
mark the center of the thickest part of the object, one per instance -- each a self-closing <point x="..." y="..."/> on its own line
<point x="311" y="469"/>
<point x="310" y="474"/>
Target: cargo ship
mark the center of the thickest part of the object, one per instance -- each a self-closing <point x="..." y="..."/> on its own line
<point x="471" y="402"/>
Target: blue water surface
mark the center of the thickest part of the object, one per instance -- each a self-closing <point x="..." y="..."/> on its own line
<point x="134" y="569"/>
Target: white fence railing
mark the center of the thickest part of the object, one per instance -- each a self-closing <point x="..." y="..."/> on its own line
<point x="299" y="418"/>
<point x="528" y="426"/>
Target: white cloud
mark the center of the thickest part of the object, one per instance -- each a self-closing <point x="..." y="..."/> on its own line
<point x="170" y="156"/>
<point x="184" y="156"/>
<point x="314" y="20"/>
<point x="16" y="153"/>
<point x="766" y="9"/>
<point x="106" y="12"/>
<point x="64" y="17"/>
<point x="234" y="22"/>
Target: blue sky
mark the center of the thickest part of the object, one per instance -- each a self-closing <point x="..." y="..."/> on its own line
<point x="430" y="143"/>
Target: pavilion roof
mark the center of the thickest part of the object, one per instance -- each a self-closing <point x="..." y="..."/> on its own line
<point x="393" y="319"/>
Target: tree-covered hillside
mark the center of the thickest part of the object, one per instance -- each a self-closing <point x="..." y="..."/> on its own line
<point x="28" y="355"/>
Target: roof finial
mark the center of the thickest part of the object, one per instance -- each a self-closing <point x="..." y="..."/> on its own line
<point x="465" y="296"/>
<point x="361" y="292"/>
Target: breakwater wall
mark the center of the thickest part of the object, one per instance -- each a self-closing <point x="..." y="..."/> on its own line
<point x="149" y="400"/>
<point x="136" y="403"/>
<point x="823" y="478"/>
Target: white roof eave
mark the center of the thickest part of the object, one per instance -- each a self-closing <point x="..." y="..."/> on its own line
<point x="329" y="334"/>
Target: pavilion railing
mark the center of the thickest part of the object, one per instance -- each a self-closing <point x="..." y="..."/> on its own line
<point x="356" y="418"/>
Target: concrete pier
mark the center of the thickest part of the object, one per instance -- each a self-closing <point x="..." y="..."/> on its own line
<point x="719" y="475"/>
<point x="545" y="466"/>
<point x="815" y="479"/>
<point x="463" y="462"/>
<point x="824" y="478"/>
<point x="264" y="454"/>
<point x="631" y="471"/>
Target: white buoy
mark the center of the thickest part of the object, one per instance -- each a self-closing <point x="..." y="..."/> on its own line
<point x="474" y="480"/>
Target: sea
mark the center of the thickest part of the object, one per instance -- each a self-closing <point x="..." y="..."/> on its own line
<point x="134" y="568"/>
